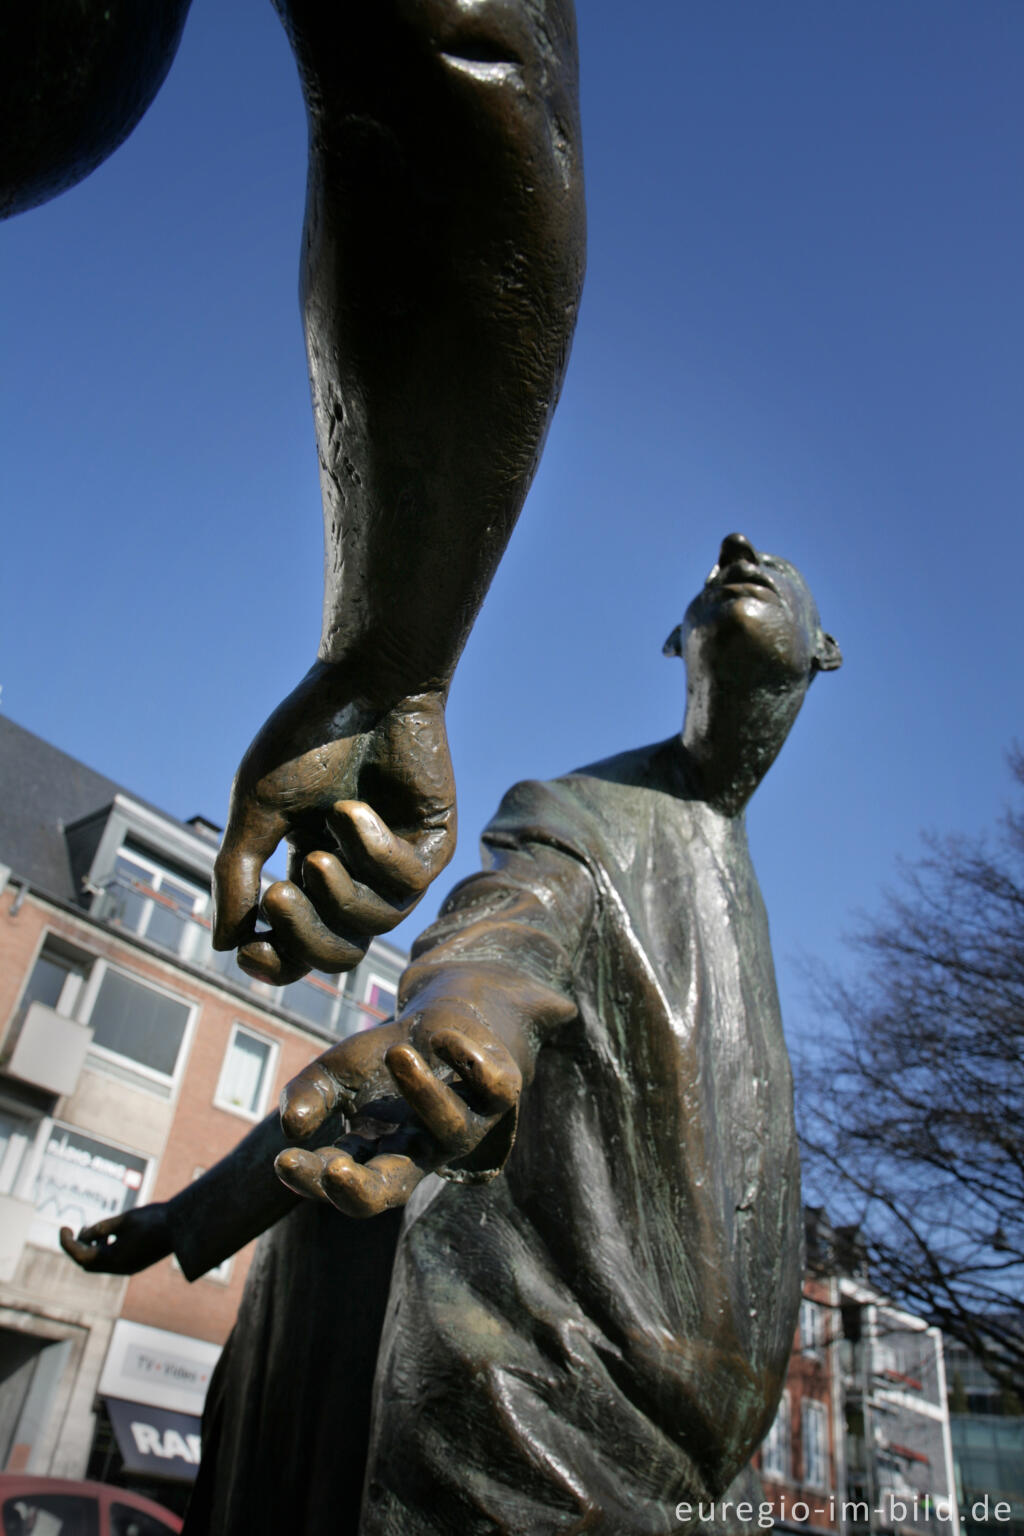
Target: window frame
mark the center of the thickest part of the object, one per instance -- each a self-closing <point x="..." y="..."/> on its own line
<point x="194" y="926"/>
<point x="375" y="979"/>
<point x="812" y="1410"/>
<point x="19" y="1155"/>
<point x="67" y="956"/>
<point x="220" y="1099"/>
<point x="102" y="1058"/>
<point x="782" y="1421"/>
<point x="812" y="1328"/>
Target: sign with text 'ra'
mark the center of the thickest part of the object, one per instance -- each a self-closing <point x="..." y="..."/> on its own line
<point x="154" y="1441"/>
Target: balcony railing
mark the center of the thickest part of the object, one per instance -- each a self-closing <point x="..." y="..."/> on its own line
<point x="186" y="934"/>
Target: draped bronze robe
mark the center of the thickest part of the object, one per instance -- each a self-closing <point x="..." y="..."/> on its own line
<point x="602" y="1331"/>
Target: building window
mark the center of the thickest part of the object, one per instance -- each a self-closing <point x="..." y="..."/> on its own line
<point x="247" y="1073"/>
<point x="17" y="1136"/>
<point x="382" y="997"/>
<point x="56" y="980"/>
<point x="138" y="1024"/>
<point x="775" y="1452"/>
<point x="155" y="902"/>
<point x="812" y="1329"/>
<point x="814" y="1426"/>
<point x="319" y="1002"/>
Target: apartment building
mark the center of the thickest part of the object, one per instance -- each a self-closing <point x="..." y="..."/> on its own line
<point x="861" y="1442"/>
<point x="987" y="1426"/>
<point x="132" y="1057"/>
<point x="801" y="1460"/>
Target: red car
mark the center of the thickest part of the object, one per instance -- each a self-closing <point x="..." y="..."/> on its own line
<point x="56" y="1506"/>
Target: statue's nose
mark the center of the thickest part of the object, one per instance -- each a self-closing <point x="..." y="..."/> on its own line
<point x="736" y="546"/>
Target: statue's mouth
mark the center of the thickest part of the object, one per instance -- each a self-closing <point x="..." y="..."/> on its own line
<point x="743" y="574"/>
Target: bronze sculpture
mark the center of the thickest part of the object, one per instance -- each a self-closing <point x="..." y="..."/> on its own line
<point x="442" y="261"/>
<point x="603" y="1330"/>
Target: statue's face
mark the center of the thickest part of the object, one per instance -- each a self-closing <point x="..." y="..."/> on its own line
<point x="754" y="619"/>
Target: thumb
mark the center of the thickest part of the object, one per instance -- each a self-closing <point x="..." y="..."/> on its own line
<point x="249" y="840"/>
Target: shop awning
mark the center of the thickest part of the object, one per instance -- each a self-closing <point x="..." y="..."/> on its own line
<point x="155" y="1440"/>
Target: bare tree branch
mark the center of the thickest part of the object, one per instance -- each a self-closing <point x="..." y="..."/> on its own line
<point x="912" y="1098"/>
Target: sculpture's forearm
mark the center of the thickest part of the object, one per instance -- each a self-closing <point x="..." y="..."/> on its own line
<point x="442" y="266"/>
<point x="233" y="1202"/>
<point x="503" y="949"/>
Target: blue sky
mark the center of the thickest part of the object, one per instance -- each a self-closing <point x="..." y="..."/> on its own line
<point x="804" y="319"/>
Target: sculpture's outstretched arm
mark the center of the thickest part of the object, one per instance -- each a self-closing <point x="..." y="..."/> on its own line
<point x="441" y="270"/>
<point x="489" y="983"/>
<point x="204" y="1224"/>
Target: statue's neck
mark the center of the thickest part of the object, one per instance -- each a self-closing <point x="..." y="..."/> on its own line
<point x="729" y="744"/>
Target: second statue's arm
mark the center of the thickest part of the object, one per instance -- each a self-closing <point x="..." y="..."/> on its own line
<point x="437" y="1090"/>
<point x="441" y="271"/>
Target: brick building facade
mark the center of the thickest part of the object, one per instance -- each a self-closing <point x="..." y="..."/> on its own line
<point x="132" y="1057"/>
<point x="861" y="1442"/>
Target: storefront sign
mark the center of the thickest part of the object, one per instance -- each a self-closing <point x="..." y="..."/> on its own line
<point x="152" y="1366"/>
<point x="154" y="1441"/>
<point x="81" y="1181"/>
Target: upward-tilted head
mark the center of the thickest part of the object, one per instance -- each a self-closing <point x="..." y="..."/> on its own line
<point x="758" y="609"/>
<point x="752" y="641"/>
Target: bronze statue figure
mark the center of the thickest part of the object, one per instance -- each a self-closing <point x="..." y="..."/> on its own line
<point x="603" y="1330"/>
<point x="442" y="262"/>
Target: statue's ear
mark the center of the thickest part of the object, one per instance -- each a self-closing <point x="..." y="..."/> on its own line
<point x="829" y="658"/>
<point x="674" y="644"/>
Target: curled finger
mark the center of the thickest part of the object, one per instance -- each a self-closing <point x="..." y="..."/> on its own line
<point x="302" y="1172"/>
<point x="264" y="961"/>
<point x="344" y="903"/>
<point x="300" y="933"/>
<point x="84" y="1254"/>
<point x="486" y="1067"/>
<point x="367" y="1189"/>
<point x="248" y="843"/>
<point x="446" y="1116"/>
<point x="380" y="858"/>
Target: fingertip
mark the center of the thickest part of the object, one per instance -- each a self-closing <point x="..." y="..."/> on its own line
<point x="351" y="1188"/>
<point x="357" y="814"/>
<point x="325" y="864"/>
<point x="279" y="899"/>
<point x="78" y="1252"/>
<point x="300" y="1171"/>
<point x="406" y="1065"/>
<point x="300" y="1117"/>
<point x="307" y="1101"/>
<point x="262" y="962"/>
<point x="402" y="1052"/>
<point x="360" y="832"/>
<point x="236" y="895"/>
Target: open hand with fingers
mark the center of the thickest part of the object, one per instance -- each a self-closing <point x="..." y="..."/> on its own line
<point x="121" y="1245"/>
<point x="366" y="801"/>
<point x="455" y="1080"/>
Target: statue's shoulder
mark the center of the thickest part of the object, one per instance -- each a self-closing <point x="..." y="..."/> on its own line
<point x="539" y="811"/>
<point x="580" y="810"/>
<point x="658" y="768"/>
